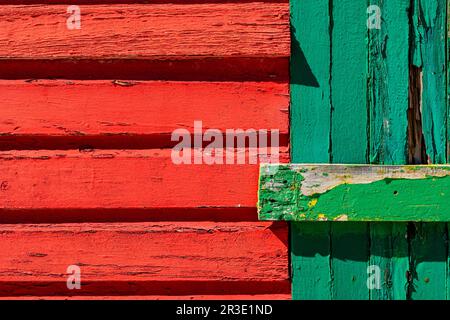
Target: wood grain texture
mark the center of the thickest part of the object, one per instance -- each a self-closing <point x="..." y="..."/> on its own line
<point x="354" y="193"/>
<point x="310" y="81"/>
<point x="189" y="41"/>
<point x="146" y="31"/>
<point x="429" y="241"/>
<point x="17" y="2"/>
<point x="388" y="84"/>
<point x="183" y="243"/>
<point x="348" y="132"/>
<point x="281" y="296"/>
<point x="429" y="54"/>
<point x="144" y="258"/>
<point x="348" y="138"/>
<point x="409" y="30"/>
<point x="428" y="258"/>
<point x="122" y="114"/>
<point x="120" y="180"/>
<point x="310" y="138"/>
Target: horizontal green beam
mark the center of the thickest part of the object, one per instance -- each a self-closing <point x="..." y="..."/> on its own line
<point x="330" y="192"/>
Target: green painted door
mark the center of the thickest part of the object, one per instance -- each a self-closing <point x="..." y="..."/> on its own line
<point x="369" y="86"/>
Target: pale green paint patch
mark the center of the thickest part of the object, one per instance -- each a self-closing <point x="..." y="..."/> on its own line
<point x="382" y="193"/>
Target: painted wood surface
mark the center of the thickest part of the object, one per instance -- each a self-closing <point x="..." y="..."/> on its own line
<point x="105" y="181"/>
<point x="87" y="176"/>
<point x="354" y="193"/>
<point x="428" y="241"/>
<point x="146" y="31"/>
<point x="281" y="296"/>
<point x="376" y="129"/>
<point x="213" y="41"/>
<point x="121" y="259"/>
<point x="388" y="102"/>
<point x="122" y="114"/>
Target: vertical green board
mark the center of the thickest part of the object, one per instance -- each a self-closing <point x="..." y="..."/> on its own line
<point x="388" y="77"/>
<point x="310" y="258"/>
<point x="448" y="136"/>
<point x="310" y="81"/>
<point x="389" y="252"/>
<point x="310" y="136"/>
<point x="428" y="241"/>
<point x="349" y="241"/>
<point x="428" y="256"/>
<point x="429" y="54"/>
<point x="325" y="125"/>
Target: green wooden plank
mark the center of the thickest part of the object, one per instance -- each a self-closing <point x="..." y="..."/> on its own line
<point x="310" y="81"/>
<point x="429" y="262"/>
<point x="448" y="137"/>
<point x="388" y="84"/>
<point x="310" y="254"/>
<point x="428" y="243"/>
<point x="349" y="259"/>
<point x="429" y="54"/>
<point x="355" y="193"/>
<point x="349" y="82"/>
<point x="388" y="104"/>
<point x="310" y="123"/>
<point x="311" y="127"/>
<point x="389" y="252"/>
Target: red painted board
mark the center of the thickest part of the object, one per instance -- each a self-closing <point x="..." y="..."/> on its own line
<point x="280" y="296"/>
<point x="100" y="181"/>
<point x="16" y="2"/>
<point x="191" y="41"/>
<point x="145" y="258"/>
<point x="157" y="31"/>
<point x="65" y="114"/>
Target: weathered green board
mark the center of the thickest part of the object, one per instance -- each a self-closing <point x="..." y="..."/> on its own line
<point x="369" y="96"/>
<point x="299" y="192"/>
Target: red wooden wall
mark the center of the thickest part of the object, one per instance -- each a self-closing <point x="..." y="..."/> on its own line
<point x="86" y="175"/>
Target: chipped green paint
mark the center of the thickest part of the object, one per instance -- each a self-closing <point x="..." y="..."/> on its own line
<point x="355" y="193"/>
<point x="335" y="118"/>
<point x="429" y="54"/>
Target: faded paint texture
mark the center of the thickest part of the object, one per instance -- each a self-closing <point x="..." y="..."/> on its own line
<point x="362" y="96"/>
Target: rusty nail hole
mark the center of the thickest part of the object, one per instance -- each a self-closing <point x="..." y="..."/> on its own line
<point x="426" y="280"/>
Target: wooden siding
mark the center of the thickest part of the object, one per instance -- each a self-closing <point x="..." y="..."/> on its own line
<point x="86" y="172"/>
<point x="355" y="100"/>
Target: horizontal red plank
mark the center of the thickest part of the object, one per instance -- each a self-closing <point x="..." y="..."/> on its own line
<point x="281" y="296"/>
<point x="129" y="114"/>
<point x="146" y="31"/>
<point x="144" y="258"/>
<point x="17" y="2"/>
<point x="119" y="181"/>
<point x="155" y="32"/>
